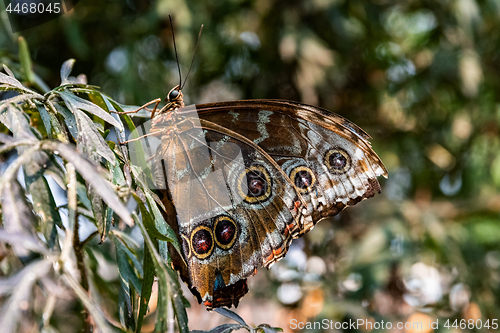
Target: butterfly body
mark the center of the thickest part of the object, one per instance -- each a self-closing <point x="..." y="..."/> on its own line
<point x="244" y="178"/>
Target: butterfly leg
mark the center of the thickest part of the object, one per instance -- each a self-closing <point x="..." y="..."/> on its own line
<point x="142" y="137"/>
<point x="156" y="101"/>
<point x="149" y="159"/>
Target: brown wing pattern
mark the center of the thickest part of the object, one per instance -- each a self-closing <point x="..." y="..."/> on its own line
<point x="301" y="138"/>
<point x="249" y="176"/>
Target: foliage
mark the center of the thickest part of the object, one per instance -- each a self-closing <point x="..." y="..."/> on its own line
<point x="420" y="76"/>
<point x="42" y="128"/>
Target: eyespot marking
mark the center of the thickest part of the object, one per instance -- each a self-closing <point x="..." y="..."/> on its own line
<point x="202" y="243"/>
<point x="303" y="178"/>
<point x="338" y="160"/>
<point x="258" y="184"/>
<point x="225" y="230"/>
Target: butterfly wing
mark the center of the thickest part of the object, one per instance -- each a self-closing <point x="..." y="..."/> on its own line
<point x="247" y="177"/>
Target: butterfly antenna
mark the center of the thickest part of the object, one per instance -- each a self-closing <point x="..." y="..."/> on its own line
<point x="194" y="53"/>
<point x="175" y="49"/>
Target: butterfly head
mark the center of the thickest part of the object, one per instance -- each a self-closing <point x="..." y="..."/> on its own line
<point x="175" y="96"/>
<point x="174" y="100"/>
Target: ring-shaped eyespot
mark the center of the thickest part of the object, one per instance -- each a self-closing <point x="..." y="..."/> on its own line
<point x="337" y="160"/>
<point x="185" y="245"/>
<point x="225" y="231"/>
<point x="303" y="178"/>
<point x="202" y="242"/>
<point x="258" y="184"/>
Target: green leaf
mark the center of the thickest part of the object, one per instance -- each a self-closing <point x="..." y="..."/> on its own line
<point x="81" y="191"/>
<point x="147" y="287"/>
<point x="47" y="122"/>
<point x="131" y="255"/>
<point x="149" y="222"/>
<point x="44" y="204"/>
<point x="124" y="267"/>
<point x="69" y="119"/>
<point x="268" y="329"/>
<point x="25" y="58"/>
<point x="89" y="141"/>
<point x="139" y="163"/>
<point x="98" y="210"/>
<point x="125" y="310"/>
<point x="126" y="239"/>
<point x="231" y="315"/>
<point x="66" y="68"/>
<point x="107" y="223"/>
<point x="165" y="272"/>
<point x="118" y="178"/>
<point x="161" y="225"/>
<point x="54" y="128"/>
<point x="75" y="102"/>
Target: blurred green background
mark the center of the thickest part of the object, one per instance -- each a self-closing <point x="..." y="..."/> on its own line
<point x="421" y="77"/>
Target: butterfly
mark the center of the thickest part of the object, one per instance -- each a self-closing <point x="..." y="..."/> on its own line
<point x="240" y="180"/>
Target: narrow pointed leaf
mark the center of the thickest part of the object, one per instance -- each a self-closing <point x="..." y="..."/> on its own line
<point x="147" y="287"/>
<point x="66" y="70"/>
<point x="12" y="81"/>
<point x="45" y="118"/>
<point x="124" y="267"/>
<point x="230" y="314"/>
<point x="25" y="58"/>
<point x="43" y="201"/>
<point x="82" y="104"/>
<point x="8" y="71"/>
<point x="69" y="119"/>
<point x="161" y="224"/>
<point x="89" y="141"/>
